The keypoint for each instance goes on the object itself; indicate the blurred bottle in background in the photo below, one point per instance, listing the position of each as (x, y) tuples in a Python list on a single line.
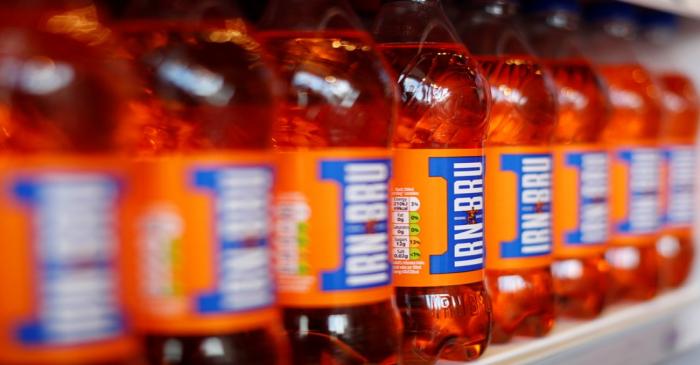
[(518, 172), (62, 187), (201, 282), (679, 100), (632, 136), (580, 211), (332, 218), (437, 193)]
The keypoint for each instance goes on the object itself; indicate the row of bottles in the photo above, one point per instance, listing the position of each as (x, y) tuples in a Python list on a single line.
[(433, 188)]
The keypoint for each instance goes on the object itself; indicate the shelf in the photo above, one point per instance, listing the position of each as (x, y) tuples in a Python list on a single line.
[(688, 8), (637, 333)]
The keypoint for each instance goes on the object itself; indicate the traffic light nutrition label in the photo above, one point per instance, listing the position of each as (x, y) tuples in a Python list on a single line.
[(406, 244)]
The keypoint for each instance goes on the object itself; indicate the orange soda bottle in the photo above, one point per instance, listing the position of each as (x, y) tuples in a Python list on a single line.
[(62, 187), (580, 207), (201, 280), (438, 183), (518, 171), (332, 218), (632, 136), (675, 248), (679, 100)]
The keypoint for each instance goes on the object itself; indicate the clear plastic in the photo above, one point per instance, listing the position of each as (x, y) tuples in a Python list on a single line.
[(524, 113), (420, 45)]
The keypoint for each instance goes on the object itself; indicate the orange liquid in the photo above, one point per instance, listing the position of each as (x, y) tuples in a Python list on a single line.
[(523, 113), (680, 127), (177, 112), (59, 96), (337, 94), (582, 116), (427, 119), (336, 90), (634, 117)]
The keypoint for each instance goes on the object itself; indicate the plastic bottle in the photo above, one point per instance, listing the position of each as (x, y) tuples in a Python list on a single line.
[(518, 171), (580, 208), (679, 100), (62, 187), (332, 218), (632, 136), (202, 287), (437, 193), (675, 248)]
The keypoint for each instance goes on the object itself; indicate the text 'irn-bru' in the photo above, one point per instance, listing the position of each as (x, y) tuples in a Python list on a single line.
[(64, 301), (523, 175), (455, 188), (331, 203), (518, 186), (341, 196), (199, 224), (438, 185)]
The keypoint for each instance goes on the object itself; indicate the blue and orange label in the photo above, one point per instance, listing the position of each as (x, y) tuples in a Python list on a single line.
[(635, 194), (679, 186), (580, 210), (332, 227), (199, 243), (518, 207), (437, 201), (62, 290)]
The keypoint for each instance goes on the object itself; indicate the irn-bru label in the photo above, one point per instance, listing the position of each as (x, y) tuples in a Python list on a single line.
[(580, 211), (200, 243), (61, 251), (331, 227), (437, 217), (679, 185), (635, 194), (518, 207)]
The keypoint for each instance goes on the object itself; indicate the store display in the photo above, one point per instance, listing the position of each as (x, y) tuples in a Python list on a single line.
[(185, 184)]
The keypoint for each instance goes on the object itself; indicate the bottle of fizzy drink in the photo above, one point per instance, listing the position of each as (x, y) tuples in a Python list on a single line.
[(675, 248), (437, 206), (679, 100), (580, 200), (518, 170), (62, 187), (201, 281), (632, 136), (332, 216)]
